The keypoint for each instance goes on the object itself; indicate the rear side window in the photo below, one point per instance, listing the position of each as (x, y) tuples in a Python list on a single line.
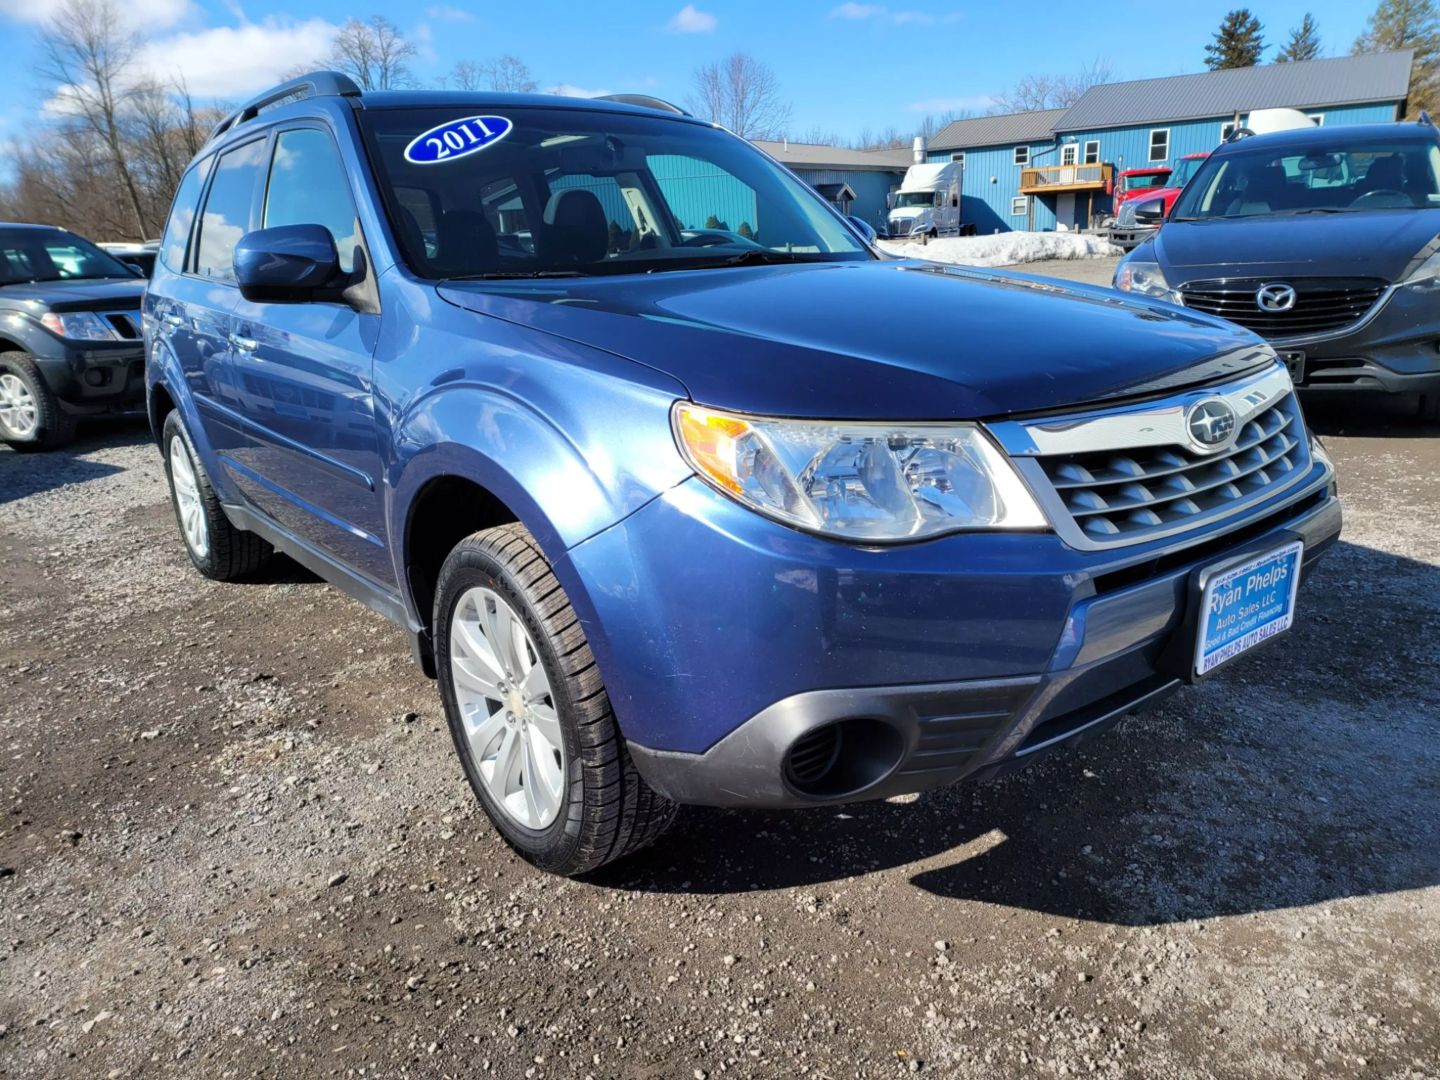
[(308, 186), (182, 217), (227, 209)]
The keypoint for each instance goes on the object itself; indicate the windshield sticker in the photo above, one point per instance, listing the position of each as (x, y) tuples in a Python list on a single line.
[(456, 139)]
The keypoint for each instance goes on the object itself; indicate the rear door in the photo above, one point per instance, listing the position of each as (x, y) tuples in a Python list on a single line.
[(301, 375)]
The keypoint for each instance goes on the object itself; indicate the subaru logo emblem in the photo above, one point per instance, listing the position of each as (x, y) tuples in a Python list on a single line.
[(1211, 424), (1275, 297)]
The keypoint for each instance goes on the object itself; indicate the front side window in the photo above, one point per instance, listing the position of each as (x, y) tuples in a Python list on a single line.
[(182, 216), (1360, 174), (308, 186), (576, 192), (1160, 144), (227, 209), (53, 255)]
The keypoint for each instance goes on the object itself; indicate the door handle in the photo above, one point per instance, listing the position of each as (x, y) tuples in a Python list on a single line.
[(172, 320), (244, 344)]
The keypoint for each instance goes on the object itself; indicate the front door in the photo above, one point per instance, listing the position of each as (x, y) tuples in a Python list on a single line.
[(1065, 211), (301, 377)]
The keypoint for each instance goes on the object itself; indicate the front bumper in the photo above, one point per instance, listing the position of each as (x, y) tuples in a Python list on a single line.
[(98, 379), (1132, 236), (1394, 349), (724, 639)]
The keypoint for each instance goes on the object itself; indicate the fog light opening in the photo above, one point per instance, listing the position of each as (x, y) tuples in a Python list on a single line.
[(842, 757)]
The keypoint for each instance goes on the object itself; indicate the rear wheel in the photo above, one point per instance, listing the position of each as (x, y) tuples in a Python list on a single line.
[(529, 715), (217, 548), (30, 414)]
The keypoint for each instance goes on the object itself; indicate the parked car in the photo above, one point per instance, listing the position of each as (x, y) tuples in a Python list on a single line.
[(1323, 241), (140, 256), (780, 524), (1129, 230), (69, 335)]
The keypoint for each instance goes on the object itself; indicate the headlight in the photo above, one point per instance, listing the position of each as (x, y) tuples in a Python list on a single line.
[(1427, 274), (80, 325), (1144, 278), (871, 482)]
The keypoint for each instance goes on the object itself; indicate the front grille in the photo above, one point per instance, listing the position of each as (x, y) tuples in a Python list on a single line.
[(1124, 496), (1322, 305), (126, 323)]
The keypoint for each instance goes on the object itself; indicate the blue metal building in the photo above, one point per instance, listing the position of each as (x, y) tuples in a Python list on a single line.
[(1054, 168), (856, 182)]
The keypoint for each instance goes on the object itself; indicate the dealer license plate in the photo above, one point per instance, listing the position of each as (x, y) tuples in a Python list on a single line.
[(1246, 605)]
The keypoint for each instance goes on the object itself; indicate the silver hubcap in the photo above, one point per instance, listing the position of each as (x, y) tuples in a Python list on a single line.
[(508, 709), (187, 499), (17, 405)]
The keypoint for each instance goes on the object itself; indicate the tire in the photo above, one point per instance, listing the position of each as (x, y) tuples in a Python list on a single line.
[(218, 549), (600, 809), (31, 417)]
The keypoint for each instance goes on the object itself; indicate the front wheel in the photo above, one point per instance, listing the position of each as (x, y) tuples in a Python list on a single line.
[(31, 417), (529, 715)]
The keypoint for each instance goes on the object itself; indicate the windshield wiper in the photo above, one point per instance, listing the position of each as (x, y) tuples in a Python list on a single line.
[(750, 257), (512, 275)]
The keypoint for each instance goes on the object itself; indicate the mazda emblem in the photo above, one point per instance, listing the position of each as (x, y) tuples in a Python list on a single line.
[(1275, 297), (1211, 424)]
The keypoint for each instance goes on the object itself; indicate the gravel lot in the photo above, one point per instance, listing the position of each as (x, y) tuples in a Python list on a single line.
[(237, 844)]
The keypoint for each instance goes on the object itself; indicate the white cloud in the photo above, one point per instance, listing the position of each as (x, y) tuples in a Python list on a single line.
[(446, 13), (150, 14), (952, 104), (857, 11), (571, 90), (690, 20), (227, 61)]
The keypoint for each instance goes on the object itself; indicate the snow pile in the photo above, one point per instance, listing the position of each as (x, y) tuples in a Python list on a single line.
[(1005, 249)]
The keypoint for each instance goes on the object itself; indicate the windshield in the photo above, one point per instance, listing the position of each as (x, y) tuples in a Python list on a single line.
[(1154, 180), (567, 192), (1187, 168), (53, 255), (915, 198), (1368, 174)]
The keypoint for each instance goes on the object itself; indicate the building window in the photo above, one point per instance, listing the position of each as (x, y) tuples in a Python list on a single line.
[(1226, 130), (1092, 152), (1069, 154), (1022, 155), (960, 157), (1317, 118), (1159, 144), (1018, 205)]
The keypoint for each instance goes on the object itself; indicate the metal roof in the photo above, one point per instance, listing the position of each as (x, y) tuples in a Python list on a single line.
[(815, 156), (1009, 129), (1341, 80)]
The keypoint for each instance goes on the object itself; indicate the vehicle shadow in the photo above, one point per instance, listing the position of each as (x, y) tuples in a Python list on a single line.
[(1307, 773), (1367, 416), (32, 473)]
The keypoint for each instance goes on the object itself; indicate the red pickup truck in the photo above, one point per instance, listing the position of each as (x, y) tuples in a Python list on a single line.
[(1125, 231)]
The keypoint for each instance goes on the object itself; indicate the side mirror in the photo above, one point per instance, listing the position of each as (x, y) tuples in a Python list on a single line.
[(1150, 212), (289, 264), (863, 227), (136, 269)]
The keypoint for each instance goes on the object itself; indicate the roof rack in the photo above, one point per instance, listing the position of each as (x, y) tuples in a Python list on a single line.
[(1238, 134), (644, 101), (1424, 118), (315, 84)]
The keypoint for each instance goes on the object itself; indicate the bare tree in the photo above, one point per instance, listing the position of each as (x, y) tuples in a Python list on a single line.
[(503, 74), (374, 53), (88, 65), (740, 93), (1036, 92)]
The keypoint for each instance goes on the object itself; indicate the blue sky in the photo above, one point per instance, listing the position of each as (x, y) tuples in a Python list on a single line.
[(844, 66)]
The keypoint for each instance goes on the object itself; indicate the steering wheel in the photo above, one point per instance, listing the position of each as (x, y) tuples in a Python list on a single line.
[(1405, 199), (706, 239)]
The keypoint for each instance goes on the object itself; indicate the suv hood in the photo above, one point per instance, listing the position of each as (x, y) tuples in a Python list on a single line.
[(880, 340), (100, 294), (1378, 243)]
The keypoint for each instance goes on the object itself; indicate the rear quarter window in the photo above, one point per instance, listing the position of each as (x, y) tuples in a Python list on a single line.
[(176, 239)]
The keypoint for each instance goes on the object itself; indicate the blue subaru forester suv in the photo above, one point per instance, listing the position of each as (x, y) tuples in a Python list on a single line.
[(684, 492)]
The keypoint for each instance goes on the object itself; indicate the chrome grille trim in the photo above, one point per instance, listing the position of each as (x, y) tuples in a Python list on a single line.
[(1324, 307), (1108, 479)]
